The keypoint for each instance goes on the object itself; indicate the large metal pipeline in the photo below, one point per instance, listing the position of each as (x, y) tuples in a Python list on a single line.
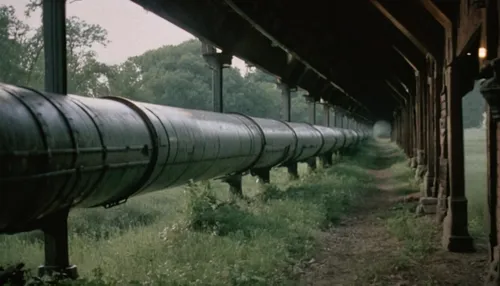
[(58, 152)]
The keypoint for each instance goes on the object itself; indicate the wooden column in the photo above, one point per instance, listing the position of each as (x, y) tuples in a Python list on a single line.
[(421, 124), (412, 129), (405, 135), (491, 92), (431, 119), (493, 153), (394, 127), (456, 237), (397, 123), (437, 127), (418, 114), (400, 128), (406, 130)]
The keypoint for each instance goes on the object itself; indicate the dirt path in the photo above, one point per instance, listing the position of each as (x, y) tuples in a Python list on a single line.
[(353, 253)]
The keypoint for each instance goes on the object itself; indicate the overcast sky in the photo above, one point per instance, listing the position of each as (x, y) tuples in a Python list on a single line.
[(131, 30)]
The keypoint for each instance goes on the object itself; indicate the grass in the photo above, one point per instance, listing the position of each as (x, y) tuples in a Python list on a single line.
[(416, 235), (419, 236), (475, 187), (199, 235), (476, 181)]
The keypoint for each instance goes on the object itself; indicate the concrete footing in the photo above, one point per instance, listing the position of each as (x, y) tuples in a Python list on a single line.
[(456, 237), (420, 172), (427, 205), (442, 205), (427, 186), (493, 275), (412, 163)]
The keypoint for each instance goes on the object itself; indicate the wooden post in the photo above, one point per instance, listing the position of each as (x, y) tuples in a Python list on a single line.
[(437, 127), (490, 40), (431, 118), (456, 237)]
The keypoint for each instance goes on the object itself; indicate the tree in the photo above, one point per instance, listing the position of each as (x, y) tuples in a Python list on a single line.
[(24, 60), (179, 76), (13, 38), (171, 75)]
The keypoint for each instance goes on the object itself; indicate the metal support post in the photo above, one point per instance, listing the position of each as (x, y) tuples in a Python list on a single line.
[(54, 37), (263, 175), (286, 108), (235, 184), (333, 119), (55, 226), (217, 62), (326, 159), (55, 231), (311, 104)]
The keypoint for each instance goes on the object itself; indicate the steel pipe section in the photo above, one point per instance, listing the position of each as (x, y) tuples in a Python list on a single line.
[(309, 141), (59, 152)]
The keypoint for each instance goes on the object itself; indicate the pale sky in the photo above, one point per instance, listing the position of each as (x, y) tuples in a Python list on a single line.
[(131, 29)]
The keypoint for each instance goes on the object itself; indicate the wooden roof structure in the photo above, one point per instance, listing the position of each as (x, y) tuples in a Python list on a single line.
[(360, 55)]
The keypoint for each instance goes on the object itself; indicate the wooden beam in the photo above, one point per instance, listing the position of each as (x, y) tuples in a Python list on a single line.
[(408, 61), (396, 91), (400, 27), (257, 27), (437, 14)]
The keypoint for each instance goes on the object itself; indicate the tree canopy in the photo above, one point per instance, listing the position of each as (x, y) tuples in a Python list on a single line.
[(170, 75)]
